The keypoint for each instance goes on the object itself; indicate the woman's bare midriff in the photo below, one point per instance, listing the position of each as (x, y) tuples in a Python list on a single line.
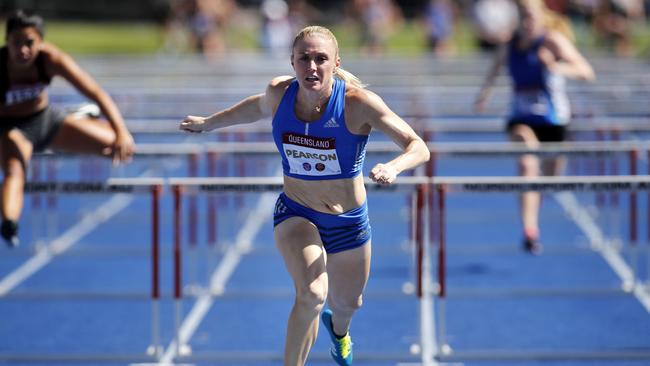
[(24, 109), (334, 196)]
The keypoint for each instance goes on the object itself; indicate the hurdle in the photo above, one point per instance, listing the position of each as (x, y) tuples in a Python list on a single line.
[(446, 185), (152, 186), (206, 185)]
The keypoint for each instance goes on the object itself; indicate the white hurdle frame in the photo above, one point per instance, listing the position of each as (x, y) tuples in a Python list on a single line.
[(443, 185), (131, 186)]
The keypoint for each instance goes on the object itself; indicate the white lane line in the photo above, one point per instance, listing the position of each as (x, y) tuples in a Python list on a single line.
[(69, 238), (227, 266), (584, 221), (64, 242)]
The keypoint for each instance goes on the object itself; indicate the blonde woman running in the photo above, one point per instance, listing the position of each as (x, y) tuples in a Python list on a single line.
[(321, 120)]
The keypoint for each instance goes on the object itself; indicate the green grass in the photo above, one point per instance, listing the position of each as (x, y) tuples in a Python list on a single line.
[(408, 38), (641, 38), (105, 38), (147, 38)]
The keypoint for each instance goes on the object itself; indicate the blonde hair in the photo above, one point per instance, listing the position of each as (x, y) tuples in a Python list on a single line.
[(551, 19), (342, 74)]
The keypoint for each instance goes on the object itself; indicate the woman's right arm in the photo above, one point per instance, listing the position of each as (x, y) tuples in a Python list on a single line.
[(493, 72), (249, 110)]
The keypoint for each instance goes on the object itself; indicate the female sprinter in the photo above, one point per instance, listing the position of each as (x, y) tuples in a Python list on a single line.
[(539, 57), (28, 123), (321, 120)]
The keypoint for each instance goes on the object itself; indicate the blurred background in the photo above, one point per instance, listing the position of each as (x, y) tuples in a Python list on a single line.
[(404, 27), (163, 59)]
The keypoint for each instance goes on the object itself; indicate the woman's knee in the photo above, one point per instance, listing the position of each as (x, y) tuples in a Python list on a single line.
[(14, 167), (525, 134), (347, 305), (529, 166), (312, 295), (15, 152)]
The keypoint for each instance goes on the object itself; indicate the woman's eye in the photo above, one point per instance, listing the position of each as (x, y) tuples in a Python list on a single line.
[(21, 43)]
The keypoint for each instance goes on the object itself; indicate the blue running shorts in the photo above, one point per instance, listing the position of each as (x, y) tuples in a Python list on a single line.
[(346, 231)]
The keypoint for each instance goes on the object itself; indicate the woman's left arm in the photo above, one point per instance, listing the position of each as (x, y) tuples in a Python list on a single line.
[(64, 65), (373, 111), (562, 57)]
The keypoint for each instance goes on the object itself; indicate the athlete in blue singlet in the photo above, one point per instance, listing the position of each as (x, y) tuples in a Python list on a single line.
[(28, 123), (539, 58), (321, 121), (321, 150)]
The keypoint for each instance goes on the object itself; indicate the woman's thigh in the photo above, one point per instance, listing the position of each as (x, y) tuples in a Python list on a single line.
[(348, 273), (84, 135), (300, 245)]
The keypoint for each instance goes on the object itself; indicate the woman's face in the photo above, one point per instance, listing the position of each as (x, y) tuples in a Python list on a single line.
[(314, 59), (23, 45), (530, 15)]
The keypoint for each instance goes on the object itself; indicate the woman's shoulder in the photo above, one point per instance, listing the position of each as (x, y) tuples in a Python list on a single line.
[(281, 82), (276, 88), (357, 97), (278, 85), (53, 56), (51, 51)]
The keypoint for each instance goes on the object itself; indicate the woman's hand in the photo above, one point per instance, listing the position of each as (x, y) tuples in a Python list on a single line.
[(480, 102), (123, 148), (194, 124), (383, 174)]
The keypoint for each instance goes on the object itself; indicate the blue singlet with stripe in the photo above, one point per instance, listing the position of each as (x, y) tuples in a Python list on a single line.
[(322, 149)]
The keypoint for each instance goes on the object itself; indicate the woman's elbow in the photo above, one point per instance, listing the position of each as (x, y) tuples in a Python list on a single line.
[(424, 152)]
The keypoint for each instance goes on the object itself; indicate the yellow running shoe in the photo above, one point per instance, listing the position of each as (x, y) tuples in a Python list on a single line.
[(341, 350)]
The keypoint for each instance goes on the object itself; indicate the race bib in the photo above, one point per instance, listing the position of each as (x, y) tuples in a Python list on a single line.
[(309, 155), (19, 94), (535, 103)]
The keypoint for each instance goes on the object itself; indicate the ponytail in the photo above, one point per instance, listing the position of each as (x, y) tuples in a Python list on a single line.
[(348, 77), (558, 22)]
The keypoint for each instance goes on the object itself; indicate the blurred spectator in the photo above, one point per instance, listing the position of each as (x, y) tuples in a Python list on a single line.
[(439, 25), (199, 23), (377, 19), (281, 21), (613, 20), (558, 6), (301, 14), (208, 23), (277, 31), (493, 22), (176, 25)]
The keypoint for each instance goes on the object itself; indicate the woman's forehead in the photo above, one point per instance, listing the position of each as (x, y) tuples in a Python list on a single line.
[(24, 32), (315, 42)]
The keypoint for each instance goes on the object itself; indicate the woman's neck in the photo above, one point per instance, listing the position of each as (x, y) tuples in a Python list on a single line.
[(314, 101)]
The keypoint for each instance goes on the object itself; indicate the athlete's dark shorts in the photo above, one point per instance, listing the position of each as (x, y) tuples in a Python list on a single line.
[(544, 132), (39, 128), (346, 231)]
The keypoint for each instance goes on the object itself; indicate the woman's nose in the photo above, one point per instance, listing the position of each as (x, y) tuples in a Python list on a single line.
[(25, 50)]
